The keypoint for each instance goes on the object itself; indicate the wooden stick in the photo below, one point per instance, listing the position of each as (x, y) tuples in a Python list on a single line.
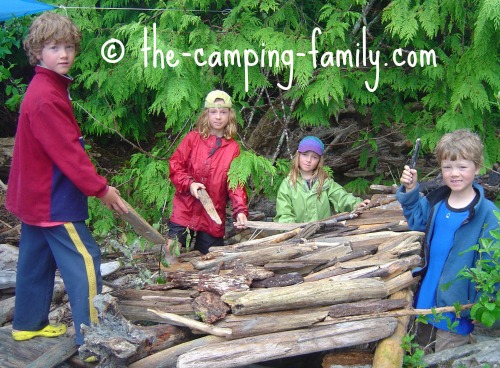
[(397, 313), (187, 322), (208, 205), (141, 226)]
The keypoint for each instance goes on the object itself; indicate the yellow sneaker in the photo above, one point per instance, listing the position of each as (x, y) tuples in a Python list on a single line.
[(48, 331), (91, 359)]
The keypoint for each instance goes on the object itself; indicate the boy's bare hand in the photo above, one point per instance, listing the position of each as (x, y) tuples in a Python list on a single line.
[(409, 178), (113, 201)]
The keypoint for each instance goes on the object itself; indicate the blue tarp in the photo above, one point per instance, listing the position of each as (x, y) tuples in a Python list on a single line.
[(19, 8)]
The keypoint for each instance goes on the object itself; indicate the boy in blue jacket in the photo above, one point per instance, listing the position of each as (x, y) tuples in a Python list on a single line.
[(454, 218)]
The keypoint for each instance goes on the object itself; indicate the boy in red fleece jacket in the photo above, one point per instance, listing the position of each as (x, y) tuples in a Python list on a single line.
[(50, 179)]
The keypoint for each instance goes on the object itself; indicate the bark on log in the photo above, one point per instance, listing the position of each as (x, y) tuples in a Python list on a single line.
[(286, 279), (209, 307), (312, 294), (219, 284), (260, 348), (366, 307)]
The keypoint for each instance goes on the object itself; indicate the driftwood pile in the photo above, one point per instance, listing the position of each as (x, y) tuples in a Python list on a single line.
[(308, 288)]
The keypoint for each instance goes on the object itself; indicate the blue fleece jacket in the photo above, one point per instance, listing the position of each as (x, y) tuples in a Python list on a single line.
[(420, 212)]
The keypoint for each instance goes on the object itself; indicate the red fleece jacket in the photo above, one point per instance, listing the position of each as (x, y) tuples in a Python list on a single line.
[(51, 174)]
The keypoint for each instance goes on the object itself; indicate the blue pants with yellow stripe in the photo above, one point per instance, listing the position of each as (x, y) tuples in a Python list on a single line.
[(70, 248)]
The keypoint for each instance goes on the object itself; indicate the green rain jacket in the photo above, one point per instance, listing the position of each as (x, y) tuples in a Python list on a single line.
[(302, 204)]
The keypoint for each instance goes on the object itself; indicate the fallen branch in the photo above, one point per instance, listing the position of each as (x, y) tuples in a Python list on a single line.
[(187, 322), (397, 313)]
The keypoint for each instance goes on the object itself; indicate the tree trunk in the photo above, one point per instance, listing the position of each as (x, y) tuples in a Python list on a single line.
[(307, 295)]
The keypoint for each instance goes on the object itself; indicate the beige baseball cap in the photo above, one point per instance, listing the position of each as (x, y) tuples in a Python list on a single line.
[(218, 95)]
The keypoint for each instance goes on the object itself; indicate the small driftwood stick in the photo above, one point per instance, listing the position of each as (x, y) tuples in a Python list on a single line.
[(208, 205), (187, 322), (397, 313), (141, 226)]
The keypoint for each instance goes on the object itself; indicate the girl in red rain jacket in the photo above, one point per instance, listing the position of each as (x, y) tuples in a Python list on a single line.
[(202, 161)]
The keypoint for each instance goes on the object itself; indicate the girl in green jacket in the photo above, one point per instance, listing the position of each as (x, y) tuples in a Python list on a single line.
[(309, 193)]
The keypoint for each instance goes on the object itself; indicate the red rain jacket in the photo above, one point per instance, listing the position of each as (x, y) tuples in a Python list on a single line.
[(192, 162)]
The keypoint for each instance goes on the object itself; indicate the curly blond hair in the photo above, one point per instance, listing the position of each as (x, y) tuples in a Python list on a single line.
[(49, 27), (461, 144)]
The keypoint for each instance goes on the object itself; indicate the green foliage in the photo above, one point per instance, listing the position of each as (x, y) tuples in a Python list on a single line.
[(142, 94), (358, 186), (10, 49), (486, 276), (255, 171), (413, 354)]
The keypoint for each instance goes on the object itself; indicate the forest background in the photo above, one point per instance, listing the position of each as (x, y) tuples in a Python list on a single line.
[(418, 68)]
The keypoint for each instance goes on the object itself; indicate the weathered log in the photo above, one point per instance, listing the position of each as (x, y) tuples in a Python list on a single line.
[(395, 313), (384, 188), (137, 310), (56, 355), (172, 296), (286, 279), (386, 226), (258, 243), (311, 294), (248, 350), (400, 241), (366, 307), (400, 282), (7, 310), (168, 358), (190, 323), (266, 323), (219, 284), (7, 279), (389, 353), (302, 266), (251, 272), (257, 257), (277, 226)]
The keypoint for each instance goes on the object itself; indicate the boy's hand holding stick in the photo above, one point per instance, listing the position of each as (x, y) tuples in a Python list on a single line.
[(409, 176)]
